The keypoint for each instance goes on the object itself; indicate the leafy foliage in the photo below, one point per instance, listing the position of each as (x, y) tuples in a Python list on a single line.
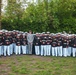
[(46, 15)]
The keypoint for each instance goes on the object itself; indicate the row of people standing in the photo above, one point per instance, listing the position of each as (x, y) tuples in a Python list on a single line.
[(12, 42), (55, 44), (45, 44)]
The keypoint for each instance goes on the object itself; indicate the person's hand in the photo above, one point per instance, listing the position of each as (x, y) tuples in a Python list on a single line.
[(30, 42)]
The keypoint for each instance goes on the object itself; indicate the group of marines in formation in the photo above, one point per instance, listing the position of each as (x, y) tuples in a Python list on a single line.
[(45, 44)]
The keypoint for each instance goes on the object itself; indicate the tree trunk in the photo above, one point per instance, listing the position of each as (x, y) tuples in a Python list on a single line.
[(0, 12)]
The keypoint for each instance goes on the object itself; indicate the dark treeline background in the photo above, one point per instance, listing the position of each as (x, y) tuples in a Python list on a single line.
[(45, 15)]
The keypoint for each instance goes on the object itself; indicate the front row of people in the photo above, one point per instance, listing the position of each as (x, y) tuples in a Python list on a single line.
[(43, 50)]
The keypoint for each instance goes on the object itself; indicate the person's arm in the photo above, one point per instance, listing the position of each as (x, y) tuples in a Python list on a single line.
[(33, 38), (27, 38)]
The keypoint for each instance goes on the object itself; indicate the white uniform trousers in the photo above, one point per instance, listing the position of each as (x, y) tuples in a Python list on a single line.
[(24, 49), (0, 50), (69, 51), (54, 51), (37, 50), (14, 47), (18, 50), (11, 48), (65, 52), (43, 50), (74, 52), (59, 50), (48, 50), (7, 50)]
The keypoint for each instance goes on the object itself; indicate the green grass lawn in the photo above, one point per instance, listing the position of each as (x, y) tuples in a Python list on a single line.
[(37, 65)]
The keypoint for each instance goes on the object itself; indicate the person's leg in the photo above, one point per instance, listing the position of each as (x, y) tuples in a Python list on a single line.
[(48, 50), (74, 51), (45, 50), (60, 50), (19, 50), (5, 50), (25, 50), (36, 50), (53, 53), (0, 50), (65, 52), (22, 49), (14, 47), (16, 50), (11, 48), (41, 50), (69, 51), (8, 50), (56, 51), (29, 48)]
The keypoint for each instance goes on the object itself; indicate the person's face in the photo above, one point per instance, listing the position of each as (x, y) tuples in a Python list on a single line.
[(30, 32)]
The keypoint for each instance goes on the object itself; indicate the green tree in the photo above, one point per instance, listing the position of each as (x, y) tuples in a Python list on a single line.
[(37, 16), (66, 15), (45, 15), (13, 16), (0, 12)]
